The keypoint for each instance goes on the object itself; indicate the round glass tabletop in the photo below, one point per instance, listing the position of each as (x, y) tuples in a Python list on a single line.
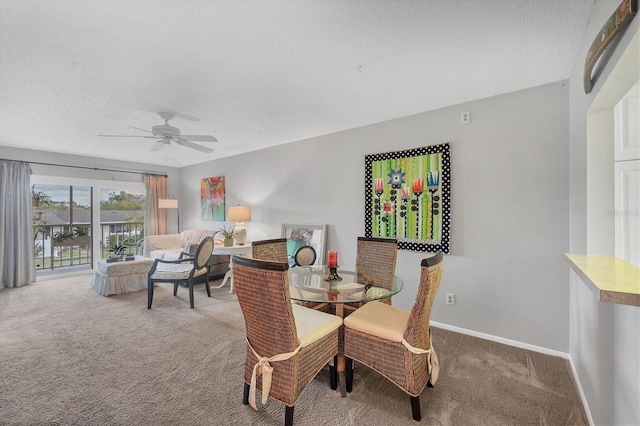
[(312, 284)]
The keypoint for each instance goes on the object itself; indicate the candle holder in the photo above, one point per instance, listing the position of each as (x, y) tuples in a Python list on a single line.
[(333, 274)]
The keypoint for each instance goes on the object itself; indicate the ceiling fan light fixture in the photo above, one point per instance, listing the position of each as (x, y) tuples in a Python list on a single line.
[(166, 134), (165, 131)]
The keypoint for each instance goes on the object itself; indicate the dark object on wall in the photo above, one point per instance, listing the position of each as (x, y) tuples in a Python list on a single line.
[(614, 26)]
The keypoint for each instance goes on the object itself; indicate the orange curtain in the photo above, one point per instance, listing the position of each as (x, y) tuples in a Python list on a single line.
[(155, 219)]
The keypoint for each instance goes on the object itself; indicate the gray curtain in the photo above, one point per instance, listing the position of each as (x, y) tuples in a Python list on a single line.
[(17, 259), (155, 219)]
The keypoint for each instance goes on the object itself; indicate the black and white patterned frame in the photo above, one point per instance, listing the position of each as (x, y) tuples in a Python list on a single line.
[(422, 245)]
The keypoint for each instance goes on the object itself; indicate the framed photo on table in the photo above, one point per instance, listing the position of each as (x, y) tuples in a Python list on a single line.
[(305, 234)]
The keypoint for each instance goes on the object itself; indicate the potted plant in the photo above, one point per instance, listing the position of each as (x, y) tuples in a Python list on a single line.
[(229, 234), (78, 236), (39, 197)]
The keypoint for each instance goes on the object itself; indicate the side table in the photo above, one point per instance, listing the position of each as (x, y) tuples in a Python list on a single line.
[(234, 250), (121, 276)]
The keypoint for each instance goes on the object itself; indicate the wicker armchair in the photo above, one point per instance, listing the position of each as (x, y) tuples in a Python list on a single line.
[(397, 343), (298, 342), (274, 250), (186, 270)]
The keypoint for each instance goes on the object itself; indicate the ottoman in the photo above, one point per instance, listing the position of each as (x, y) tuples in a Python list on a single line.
[(121, 276)]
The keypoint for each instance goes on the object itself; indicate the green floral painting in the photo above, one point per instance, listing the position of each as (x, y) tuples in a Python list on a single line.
[(408, 197)]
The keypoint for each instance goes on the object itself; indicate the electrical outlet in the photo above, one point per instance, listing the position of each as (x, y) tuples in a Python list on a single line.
[(451, 299), (465, 117)]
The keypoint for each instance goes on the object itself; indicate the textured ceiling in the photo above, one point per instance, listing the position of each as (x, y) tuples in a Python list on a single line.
[(261, 73)]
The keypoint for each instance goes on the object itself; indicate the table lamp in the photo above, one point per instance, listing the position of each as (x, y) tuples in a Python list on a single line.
[(240, 214)]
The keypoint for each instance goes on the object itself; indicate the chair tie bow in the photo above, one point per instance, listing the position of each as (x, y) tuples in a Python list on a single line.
[(264, 369), (433, 366)]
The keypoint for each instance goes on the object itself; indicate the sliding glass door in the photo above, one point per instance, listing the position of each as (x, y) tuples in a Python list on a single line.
[(121, 218), (62, 225), (76, 222)]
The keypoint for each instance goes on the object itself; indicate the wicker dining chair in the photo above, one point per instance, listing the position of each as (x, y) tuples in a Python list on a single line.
[(274, 250), (186, 270), (376, 262), (397, 343), (295, 341)]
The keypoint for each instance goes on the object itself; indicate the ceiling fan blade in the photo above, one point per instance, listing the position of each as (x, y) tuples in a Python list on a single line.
[(194, 146), (138, 128), (127, 136), (199, 138), (158, 146)]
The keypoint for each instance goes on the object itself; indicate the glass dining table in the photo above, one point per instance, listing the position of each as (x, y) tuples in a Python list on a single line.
[(312, 285)]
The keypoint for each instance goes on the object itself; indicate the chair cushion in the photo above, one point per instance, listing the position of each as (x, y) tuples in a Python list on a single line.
[(175, 271), (313, 325), (379, 319)]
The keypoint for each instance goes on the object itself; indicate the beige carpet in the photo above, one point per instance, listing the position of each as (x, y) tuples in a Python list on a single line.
[(71, 356)]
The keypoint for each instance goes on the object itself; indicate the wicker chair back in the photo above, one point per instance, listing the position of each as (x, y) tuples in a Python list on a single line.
[(417, 332), (412, 367), (274, 250), (263, 293), (376, 261), (305, 256), (203, 253)]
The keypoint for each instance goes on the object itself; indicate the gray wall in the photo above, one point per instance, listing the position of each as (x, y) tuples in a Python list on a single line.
[(510, 209), (88, 162), (605, 342), (18, 154)]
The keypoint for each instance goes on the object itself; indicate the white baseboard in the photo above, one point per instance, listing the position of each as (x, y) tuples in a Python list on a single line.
[(581, 392), (493, 338), (64, 275)]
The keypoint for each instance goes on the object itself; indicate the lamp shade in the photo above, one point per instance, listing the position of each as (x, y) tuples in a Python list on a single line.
[(239, 214), (167, 203)]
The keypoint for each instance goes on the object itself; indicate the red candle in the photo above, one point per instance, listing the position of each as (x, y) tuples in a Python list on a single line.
[(333, 259)]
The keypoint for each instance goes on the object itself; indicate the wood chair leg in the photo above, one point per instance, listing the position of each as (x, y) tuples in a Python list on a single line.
[(245, 397), (415, 408), (333, 375), (349, 375), (207, 286), (288, 416), (149, 293), (191, 294)]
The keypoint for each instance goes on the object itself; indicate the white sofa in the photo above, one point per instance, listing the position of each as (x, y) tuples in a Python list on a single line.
[(169, 247)]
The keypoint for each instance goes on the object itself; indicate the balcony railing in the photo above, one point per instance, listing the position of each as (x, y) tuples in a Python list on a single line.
[(53, 252)]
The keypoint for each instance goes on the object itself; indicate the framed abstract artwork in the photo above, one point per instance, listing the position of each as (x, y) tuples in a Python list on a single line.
[(212, 201), (305, 234), (408, 197)]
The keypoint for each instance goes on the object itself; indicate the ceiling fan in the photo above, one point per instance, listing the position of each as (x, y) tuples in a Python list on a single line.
[(165, 134)]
